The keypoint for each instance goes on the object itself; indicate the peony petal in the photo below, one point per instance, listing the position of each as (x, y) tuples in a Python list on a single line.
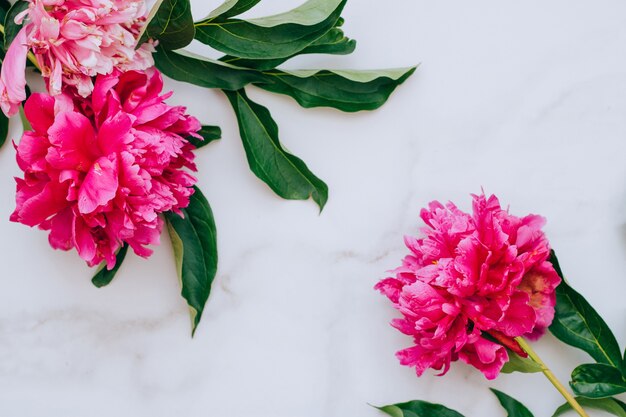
[(73, 140), (114, 133), (12, 75), (39, 110), (99, 187)]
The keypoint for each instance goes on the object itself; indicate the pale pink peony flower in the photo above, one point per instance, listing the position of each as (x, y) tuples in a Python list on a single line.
[(471, 275), (99, 171), (73, 41)]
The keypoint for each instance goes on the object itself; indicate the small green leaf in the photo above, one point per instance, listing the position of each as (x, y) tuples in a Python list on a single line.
[(25, 123), (11, 28), (419, 409), (171, 23), (208, 133), (610, 405), (231, 8), (518, 364), (349, 91), (286, 174), (204, 72), (271, 37), (4, 128), (597, 380), (577, 324), (104, 276), (513, 407), (5, 6), (194, 241), (333, 42)]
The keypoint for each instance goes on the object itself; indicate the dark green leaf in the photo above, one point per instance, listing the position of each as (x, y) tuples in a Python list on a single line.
[(271, 37), (578, 324), (10, 27), (231, 8), (518, 364), (349, 91), (5, 5), (597, 380), (4, 128), (344, 90), (171, 23), (610, 405), (286, 174), (208, 133), (419, 409), (3, 16), (194, 241), (104, 276), (333, 42), (204, 72), (513, 407)]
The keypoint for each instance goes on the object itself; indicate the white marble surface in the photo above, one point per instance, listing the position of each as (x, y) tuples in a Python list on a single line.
[(526, 99)]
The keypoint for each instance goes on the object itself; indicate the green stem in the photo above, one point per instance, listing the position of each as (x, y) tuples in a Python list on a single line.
[(31, 57), (551, 377)]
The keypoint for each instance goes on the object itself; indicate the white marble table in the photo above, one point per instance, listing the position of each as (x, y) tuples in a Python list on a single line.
[(526, 99)]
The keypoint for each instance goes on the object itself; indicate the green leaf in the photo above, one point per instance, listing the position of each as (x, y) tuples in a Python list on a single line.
[(208, 133), (333, 42), (194, 241), (104, 276), (513, 407), (5, 6), (577, 324), (419, 409), (4, 128), (204, 72), (271, 37), (344, 90), (10, 27), (597, 380), (518, 364), (610, 405), (349, 91), (171, 23), (286, 174), (25, 123), (231, 8)]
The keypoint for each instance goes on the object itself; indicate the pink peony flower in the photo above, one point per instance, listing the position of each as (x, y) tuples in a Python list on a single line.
[(73, 41), (98, 171), (472, 275)]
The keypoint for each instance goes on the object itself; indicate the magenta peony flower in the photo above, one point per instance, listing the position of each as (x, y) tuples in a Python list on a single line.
[(471, 276), (98, 171), (73, 41)]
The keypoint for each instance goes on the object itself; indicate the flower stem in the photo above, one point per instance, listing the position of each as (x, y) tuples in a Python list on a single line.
[(551, 377), (31, 57)]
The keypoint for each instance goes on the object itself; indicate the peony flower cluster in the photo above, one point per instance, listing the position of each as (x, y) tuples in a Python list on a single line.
[(98, 171), (472, 280), (73, 41)]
